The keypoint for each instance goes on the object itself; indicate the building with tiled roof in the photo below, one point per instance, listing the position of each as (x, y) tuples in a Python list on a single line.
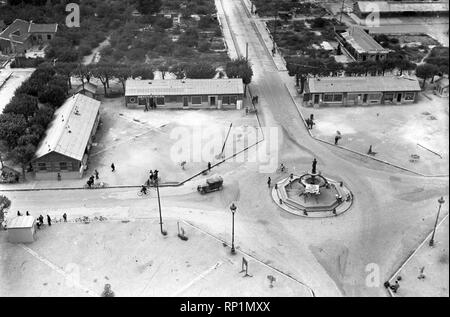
[(359, 44), (68, 139), (185, 93), (21, 35), (405, 8), (359, 91)]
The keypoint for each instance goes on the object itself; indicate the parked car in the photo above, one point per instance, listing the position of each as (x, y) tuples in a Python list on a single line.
[(212, 184)]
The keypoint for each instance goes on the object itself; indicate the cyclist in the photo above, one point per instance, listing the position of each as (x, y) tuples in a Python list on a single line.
[(144, 190)]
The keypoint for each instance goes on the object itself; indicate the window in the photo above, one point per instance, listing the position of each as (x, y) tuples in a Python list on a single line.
[(389, 97), (196, 100), (226, 100), (42, 166), (409, 96), (233, 100), (332, 98), (142, 101), (63, 166), (204, 98), (132, 100), (172, 99), (352, 97), (374, 98), (160, 101), (49, 37)]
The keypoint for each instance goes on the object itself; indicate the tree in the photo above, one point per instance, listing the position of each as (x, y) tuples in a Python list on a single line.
[(426, 71), (25, 105), (122, 73), (12, 126), (144, 72), (240, 68), (355, 68), (179, 70), (301, 67), (23, 154), (200, 70), (103, 72), (163, 68), (67, 70), (148, 6), (53, 94), (5, 203)]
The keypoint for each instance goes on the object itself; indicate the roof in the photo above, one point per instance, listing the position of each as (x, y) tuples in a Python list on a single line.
[(182, 87), (442, 82), (68, 134), (362, 84), (16, 31), (21, 222), (388, 6), (361, 41), (20, 30), (43, 28), (87, 87)]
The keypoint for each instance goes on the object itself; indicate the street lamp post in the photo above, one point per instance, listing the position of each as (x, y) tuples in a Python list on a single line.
[(440, 201), (233, 210), (159, 207)]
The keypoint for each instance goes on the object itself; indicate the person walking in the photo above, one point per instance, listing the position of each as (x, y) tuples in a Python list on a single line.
[(269, 181), (370, 150), (49, 220), (113, 167), (151, 175), (336, 139), (155, 175), (209, 166), (96, 174), (18, 213), (65, 217), (27, 213), (41, 219)]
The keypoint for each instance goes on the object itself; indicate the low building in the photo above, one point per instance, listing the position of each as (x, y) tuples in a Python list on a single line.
[(441, 87), (185, 93), (359, 44), (21, 35), (21, 229), (87, 89), (63, 153), (403, 8), (360, 91)]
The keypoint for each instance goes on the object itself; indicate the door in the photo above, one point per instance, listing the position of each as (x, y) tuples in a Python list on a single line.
[(212, 100), (185, 102), (316, 99), (365, 98), (399, 97)]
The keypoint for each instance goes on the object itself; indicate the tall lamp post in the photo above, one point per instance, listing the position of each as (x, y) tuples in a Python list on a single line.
[(233, 210), (440, 201), (159, 207)]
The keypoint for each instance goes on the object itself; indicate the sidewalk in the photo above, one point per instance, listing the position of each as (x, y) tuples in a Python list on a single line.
[(433, 261)]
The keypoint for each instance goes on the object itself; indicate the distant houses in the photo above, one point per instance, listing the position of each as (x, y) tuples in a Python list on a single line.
[(441, 87), (185, 93), (21, 35), (359, 44), (403, 8), (68, 140), (361, 91)]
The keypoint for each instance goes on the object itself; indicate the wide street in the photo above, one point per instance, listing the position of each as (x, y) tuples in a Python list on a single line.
[(393, 210)]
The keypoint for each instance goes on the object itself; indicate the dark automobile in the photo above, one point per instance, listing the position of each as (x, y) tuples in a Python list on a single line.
[(212, 184)]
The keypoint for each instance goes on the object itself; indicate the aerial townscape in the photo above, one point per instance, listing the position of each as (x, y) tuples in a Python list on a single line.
[(224, 148)]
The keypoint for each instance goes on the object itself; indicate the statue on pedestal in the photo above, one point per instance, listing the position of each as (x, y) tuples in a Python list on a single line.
[(314, 166)]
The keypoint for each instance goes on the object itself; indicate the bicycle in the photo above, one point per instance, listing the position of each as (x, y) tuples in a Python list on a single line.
[(141, 193)]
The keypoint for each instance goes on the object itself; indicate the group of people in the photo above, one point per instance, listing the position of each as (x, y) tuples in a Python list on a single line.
[(40, 219), (9, 177), (310, 122), (153, 177), (92, 178)]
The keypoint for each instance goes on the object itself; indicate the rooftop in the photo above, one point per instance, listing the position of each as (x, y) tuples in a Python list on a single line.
[(362, 84), (68, 134), (361, 41), (389, 6), (182, 87), (20, 30), (87, 87), (21, 222)]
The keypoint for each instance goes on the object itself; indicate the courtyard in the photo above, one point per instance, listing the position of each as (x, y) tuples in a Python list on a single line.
[(395, 132), (85, 257)]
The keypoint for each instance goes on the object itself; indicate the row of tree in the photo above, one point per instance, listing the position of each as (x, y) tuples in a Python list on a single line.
[(25, 118), (302, 67)]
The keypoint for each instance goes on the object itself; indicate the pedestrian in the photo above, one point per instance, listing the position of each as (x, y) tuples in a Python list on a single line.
[(336, 139), (27, 213), (151, 175), (209, 166), (370, 150), (155, 175), (41, 219), (96, 174), (276, 186), (113, 167), (269, 180), (59, 176), (18, 213), (49, 220), (65, 217)]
